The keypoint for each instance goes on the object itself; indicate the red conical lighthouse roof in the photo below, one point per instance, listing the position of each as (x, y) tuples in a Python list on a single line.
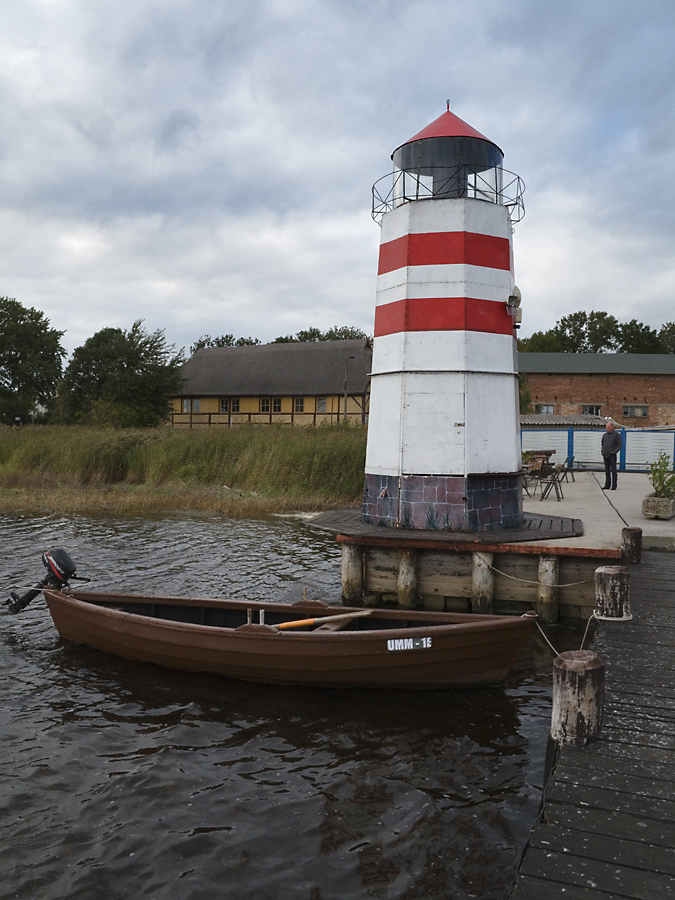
[(448, 125)]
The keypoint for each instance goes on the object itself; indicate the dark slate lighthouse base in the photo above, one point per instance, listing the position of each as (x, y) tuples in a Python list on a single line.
[(444, 502)]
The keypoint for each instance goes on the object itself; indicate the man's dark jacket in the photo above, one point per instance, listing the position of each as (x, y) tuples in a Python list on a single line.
[(611, 443)]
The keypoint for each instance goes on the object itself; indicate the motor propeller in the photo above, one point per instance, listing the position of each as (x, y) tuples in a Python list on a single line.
[(60, 570)]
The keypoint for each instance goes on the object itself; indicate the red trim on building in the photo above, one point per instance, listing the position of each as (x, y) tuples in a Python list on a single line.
[(445, 248), (442, 314)]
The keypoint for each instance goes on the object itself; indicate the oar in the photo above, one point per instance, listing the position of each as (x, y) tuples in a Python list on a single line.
[(297, 623)]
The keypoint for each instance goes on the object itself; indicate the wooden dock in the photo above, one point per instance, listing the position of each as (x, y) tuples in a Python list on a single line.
[(607, 826)]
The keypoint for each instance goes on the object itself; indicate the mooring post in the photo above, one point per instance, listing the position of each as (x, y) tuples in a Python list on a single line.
[(578, 697), (482, 583), (631, 544), (547, 589), (352, 574), (612, 592), (407, 577)]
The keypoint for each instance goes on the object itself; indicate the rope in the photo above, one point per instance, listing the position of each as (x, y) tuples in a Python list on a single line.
[(588, 625), (527, 580), (541, 631)]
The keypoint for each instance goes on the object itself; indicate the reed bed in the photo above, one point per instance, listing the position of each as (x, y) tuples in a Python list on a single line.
[(246, 470)]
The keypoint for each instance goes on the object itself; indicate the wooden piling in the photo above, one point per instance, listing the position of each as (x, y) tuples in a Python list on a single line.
[(578, 697), (482, 583), (352, 574), (407, 577), (612, 592), (547, 589), (631, 545)]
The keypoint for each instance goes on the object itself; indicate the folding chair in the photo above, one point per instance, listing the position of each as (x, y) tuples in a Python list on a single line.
[(533, 477), (553, 482), (569, 468)]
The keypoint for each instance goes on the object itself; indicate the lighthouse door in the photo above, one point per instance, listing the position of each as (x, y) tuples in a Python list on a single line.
[(433, 430)]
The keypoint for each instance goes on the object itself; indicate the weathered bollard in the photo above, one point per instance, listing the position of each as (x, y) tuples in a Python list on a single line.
[(631, 544), (352, 574), (407, 577), (612, 593), (482, 583), (547, 589), (578, 697)]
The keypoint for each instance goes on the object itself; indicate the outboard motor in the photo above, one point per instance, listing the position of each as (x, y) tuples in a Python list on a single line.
[(60, 569)]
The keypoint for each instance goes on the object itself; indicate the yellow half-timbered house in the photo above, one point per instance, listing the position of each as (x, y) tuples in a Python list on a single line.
[(295, 384)]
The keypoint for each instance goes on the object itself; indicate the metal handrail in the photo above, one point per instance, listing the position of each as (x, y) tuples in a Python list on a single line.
[(407, 185)]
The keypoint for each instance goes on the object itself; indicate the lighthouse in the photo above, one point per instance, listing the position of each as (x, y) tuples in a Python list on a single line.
[(443, 436)]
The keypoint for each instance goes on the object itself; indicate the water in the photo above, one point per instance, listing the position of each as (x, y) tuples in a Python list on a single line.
[(122, 780)]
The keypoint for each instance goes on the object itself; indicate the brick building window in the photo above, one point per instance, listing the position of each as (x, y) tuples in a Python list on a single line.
[(276, 404), (264, 404), (636, 412), (591, 409), (299, 404), (543, 409)]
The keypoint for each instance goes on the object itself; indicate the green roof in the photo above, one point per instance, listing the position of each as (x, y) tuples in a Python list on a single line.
[(598, 363)]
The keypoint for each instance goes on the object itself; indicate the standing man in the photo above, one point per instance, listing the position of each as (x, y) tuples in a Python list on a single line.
[(611, 444)]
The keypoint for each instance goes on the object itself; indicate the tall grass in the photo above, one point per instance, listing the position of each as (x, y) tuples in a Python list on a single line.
[(324, 463)]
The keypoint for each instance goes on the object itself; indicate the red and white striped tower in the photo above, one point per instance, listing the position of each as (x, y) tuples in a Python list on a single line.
[(443, 435)]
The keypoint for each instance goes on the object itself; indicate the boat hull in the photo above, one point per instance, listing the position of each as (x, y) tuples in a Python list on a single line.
[(429, 650)]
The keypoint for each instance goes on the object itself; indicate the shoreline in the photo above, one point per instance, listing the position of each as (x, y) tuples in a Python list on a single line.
[(123, 499)]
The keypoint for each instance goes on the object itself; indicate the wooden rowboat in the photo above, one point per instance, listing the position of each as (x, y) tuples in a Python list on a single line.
[(278, 643)]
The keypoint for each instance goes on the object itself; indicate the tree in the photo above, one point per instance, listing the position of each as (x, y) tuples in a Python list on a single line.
[(224, 340), (667, 337), (580, 332), (336, 333), (122, 378), (634, 337), (31, 358)]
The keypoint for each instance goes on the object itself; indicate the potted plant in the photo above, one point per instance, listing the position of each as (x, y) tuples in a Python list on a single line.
[(661, 503)]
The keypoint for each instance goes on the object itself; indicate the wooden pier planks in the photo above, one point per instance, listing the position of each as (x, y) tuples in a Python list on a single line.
[(607, 827)]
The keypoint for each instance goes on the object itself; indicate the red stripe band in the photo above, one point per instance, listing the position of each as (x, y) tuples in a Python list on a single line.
[(445, 248), (442, 314)]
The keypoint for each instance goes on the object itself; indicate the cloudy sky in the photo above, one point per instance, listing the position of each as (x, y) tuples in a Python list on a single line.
[(206, 165)]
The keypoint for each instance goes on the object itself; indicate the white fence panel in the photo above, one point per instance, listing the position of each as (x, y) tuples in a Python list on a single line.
[(546, 440), (643, 447), (587, 448)]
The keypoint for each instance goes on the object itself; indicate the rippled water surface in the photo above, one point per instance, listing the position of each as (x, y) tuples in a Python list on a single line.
[(122, 780)]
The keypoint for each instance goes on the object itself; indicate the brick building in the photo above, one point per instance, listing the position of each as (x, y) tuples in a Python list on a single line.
[(635, 389)]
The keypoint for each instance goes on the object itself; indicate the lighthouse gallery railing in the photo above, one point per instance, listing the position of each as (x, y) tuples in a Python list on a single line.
[(434, 183)]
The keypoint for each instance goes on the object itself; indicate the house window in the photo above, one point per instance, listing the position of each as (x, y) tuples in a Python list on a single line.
[(225, 405), (276, 404), (636, 412), (299, 404), (591, 409), (264, 404), (187, 405), (195, 406), (321, 404), (543, 409), (235, 404)]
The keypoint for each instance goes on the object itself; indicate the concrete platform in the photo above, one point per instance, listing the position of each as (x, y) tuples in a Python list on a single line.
[(605, 513)]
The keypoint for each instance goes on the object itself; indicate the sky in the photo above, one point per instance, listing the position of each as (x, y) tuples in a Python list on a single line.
[(206, 165)]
